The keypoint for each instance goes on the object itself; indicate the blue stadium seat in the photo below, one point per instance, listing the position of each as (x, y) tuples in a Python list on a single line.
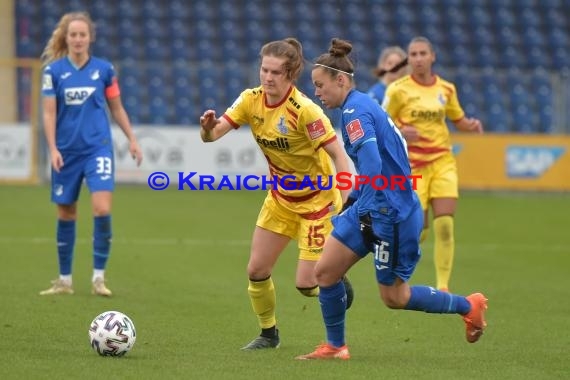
[(558, 38), (231, 30), (203, 10), (130, 28), (561, 59), (235, 78), (101, 11), (131, 48), (182, 49), (529, 17), (403, 15), (185, 111), (207, 50), (519, 95), (254, 11), (429, 15), (534, 37), (159, 110), (333, 13), (152, 9), (129, 10), (205, 30), (180, 28), (508, 37), (486, 56), (483, 36), (179, 10), (157, 49), (538, 57), (462, 55), (505, 16), (106, 48), (480, 16), (155, 28), (306, 10), (497, 119), (456, 14), (280, 11), (523, 120), (456, 35), (511, 57)]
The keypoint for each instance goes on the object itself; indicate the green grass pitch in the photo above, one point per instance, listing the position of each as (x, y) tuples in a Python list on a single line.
[(177, 268)]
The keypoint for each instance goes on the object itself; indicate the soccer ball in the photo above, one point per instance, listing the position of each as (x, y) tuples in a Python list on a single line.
[(112, 333)]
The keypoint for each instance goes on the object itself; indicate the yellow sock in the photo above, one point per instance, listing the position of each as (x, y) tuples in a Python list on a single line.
[(444, 248), (262, 296), (424, 235)]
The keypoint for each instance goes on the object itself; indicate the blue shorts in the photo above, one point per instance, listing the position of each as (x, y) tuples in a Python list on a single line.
[(398, 250), (97, 169)]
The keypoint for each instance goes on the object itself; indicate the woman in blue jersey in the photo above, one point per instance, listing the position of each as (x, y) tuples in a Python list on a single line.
[(386, 222), (392, 65), (76, 89)]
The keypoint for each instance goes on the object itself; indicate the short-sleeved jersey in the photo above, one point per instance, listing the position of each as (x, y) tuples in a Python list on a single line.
[(290, 135), (82, 123), (377, 91), (365, 122), (424, 107)]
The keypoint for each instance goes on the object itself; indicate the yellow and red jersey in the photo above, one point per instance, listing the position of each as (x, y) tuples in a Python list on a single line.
[(290, 135), (425, 108)]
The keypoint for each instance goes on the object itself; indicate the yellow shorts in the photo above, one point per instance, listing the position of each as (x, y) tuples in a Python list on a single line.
[(310, 232), (439, 180)]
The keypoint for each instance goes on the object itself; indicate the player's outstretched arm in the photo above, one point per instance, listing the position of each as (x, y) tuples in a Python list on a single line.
[(212, 128)]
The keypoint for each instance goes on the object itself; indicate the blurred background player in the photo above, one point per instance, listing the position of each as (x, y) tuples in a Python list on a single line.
[(297, 139), (392, 64), (419, 104), (76, 88), (385, 222)]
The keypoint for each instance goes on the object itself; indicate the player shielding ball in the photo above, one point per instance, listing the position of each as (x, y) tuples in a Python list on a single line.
[(385, 222)]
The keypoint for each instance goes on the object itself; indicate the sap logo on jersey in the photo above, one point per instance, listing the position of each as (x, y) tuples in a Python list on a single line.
[(531, 161), (77, 95)]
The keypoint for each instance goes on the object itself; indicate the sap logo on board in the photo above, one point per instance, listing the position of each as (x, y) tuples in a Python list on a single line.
[(78, 95), (531, 161)]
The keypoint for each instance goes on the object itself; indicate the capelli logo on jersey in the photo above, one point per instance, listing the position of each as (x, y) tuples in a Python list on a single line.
[(76, 96), (428, 115), (280, 143)]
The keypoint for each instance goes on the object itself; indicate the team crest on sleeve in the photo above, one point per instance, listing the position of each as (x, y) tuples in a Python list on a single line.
[(47, 83), (316, 129), (354, 130)]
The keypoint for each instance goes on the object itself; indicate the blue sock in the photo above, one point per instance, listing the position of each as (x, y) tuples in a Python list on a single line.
[(65, 245), (333, 307), (101, 241), (430, 300)]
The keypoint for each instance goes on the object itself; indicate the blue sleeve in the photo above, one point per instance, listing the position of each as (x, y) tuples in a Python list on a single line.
[(370, 165), (354, 194)]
